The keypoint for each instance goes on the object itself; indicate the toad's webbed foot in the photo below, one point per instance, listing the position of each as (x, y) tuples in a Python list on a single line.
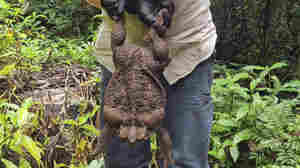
[(114, 115), (152, 119), (133, 133)]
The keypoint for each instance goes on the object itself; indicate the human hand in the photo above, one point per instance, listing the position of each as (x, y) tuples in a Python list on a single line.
[(114, 8), (169, 5), (160, 25), (153, 13)]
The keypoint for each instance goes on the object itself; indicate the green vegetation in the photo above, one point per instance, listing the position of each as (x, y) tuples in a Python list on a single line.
[(257, 106), (32, 135), (256, 118)]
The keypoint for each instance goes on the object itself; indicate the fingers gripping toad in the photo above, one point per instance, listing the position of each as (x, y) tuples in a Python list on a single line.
[(135, 98), (146, 10)]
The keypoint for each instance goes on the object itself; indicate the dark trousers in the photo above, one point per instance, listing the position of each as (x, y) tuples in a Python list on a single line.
[(189, 114)]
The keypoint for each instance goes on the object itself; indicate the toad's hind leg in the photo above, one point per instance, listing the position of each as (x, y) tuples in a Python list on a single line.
[(165, 144), (103, 139)]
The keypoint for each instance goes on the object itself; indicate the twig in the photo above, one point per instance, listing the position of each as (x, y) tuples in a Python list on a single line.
[(66, 92)]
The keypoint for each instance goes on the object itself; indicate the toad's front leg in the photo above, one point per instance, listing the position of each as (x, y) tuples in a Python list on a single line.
[(118, 34)]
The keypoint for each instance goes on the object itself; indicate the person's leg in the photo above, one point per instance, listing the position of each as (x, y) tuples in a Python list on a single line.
[(189, 117), (121, 154)]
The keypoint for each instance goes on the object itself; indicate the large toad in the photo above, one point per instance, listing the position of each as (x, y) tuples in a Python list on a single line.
[(135, 98)]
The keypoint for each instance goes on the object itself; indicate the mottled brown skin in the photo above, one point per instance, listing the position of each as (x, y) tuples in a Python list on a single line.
[(135, 98), (165, 144)]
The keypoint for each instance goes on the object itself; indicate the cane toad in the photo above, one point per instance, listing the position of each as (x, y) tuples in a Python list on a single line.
[(135, 98)]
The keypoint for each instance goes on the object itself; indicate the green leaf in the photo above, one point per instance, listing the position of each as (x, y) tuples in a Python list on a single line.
[(258, 104), (219, 154), (241, 91), (16, 143), (32, 147), (290, 90), (242, 111), (99, 16), (254, 83), (221, 82), (226, 123), (4, 5), (228, 142), (216, 141), (95, 109), (83, 119), (253, 67), (153, 140), (276, 84), (23, 116), (278, 66), (91, 129), (8, 164), (242, 136), (265, 89), (96, 164), (2, 118), (240, 76), (8, 69), (12, 115), (213, 153), (22, 35), (234, 152), (24, 163), (70, 122), (292, 84), (60, 165), (82, 144), (9, 105)]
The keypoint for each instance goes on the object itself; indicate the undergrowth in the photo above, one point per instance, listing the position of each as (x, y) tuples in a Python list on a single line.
[(257, 118), (30, 134), (27, 39)]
